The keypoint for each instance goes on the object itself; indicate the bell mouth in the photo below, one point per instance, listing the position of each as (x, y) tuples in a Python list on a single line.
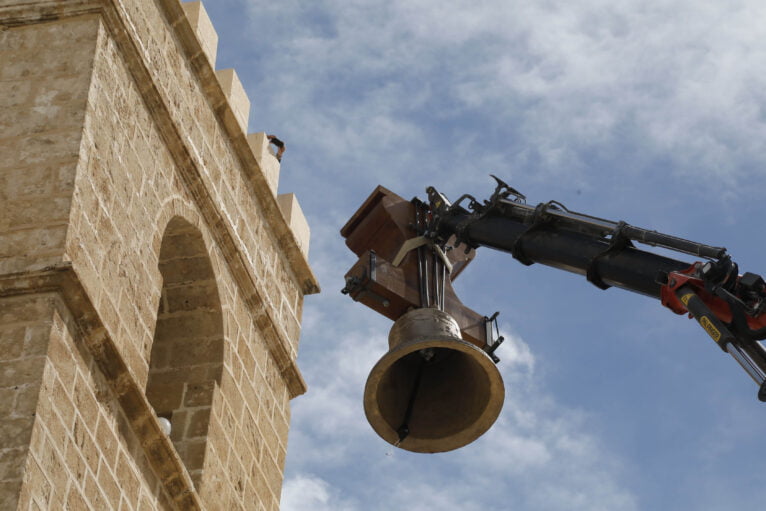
[(437, 392)]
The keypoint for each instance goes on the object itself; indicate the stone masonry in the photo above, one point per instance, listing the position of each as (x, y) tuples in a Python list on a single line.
[(147, 267)]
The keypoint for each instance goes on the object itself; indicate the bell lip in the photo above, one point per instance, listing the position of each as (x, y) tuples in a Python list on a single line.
[(448, 443)]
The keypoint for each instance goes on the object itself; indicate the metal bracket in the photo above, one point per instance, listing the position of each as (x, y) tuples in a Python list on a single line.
[(539, 219), (617, 243), (493, 342), (503, 190), (356, 287)]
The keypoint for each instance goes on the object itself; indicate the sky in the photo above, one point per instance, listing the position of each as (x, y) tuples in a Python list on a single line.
[(652, 112)]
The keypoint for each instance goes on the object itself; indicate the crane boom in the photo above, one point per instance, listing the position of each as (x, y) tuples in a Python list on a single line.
[(730, 307)]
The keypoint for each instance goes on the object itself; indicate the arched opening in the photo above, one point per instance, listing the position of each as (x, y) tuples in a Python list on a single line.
[(187, 353)]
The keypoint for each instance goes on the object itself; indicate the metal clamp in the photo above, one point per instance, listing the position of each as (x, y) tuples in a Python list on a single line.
[(357, 287), (494, 339), (538, 220), (617, 243)]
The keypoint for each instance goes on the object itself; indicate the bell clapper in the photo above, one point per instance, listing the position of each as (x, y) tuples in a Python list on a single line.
[(403, 431)]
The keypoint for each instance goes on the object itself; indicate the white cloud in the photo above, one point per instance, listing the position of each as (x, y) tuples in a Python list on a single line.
[(541, 85), (308, 493), (516, 353)]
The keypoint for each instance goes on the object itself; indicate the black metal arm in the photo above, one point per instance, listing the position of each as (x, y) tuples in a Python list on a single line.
[(604, 252)]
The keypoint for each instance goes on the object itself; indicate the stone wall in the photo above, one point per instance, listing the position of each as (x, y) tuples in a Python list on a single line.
[(146, 267)]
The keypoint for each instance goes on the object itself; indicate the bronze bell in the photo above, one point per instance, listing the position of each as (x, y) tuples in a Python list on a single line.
[(432, 391)]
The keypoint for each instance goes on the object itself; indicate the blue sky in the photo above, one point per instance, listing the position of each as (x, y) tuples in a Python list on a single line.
[(650, 112)]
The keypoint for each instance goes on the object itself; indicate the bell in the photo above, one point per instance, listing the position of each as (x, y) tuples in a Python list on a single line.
[(432, 391)]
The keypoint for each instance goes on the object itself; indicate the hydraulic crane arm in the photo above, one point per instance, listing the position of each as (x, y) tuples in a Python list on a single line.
[(549, 235), (730, 307), (601, 250)]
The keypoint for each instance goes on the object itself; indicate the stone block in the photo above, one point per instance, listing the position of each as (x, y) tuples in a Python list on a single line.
[(75, 499), (36, 480), (7, 397), (291, 210), (26, 400), (165, 398), (24, 309), (236, 95), (110, 486), (12, 464), (15, 432), (199, 394), (178, 425), (183, 244), (36, 339), (12, 341), (21, 371), (267, 161), (195, 453), (106, 439), (190, 270), (203, 28), (9, 494), (190, 297), (198, 423)]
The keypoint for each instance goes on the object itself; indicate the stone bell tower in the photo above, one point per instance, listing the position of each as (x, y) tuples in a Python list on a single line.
[(148, 270)]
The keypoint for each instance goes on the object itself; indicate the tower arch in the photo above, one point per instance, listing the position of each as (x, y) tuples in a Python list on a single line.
[(186, 358)]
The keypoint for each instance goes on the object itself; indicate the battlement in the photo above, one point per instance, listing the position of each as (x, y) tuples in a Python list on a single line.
[(203, 29)]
